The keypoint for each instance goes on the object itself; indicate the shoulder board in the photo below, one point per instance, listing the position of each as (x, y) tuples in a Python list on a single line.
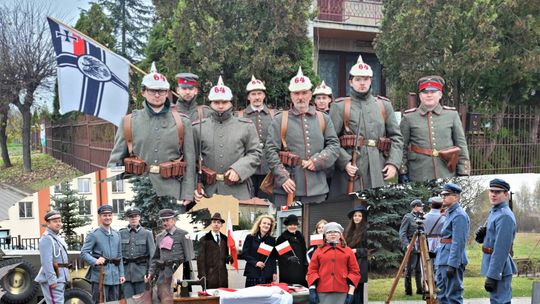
[(449, 108), (243, 119), (382, 98), (198, 121), (410, 110), (339, 99), (122, 229), (149, 230)]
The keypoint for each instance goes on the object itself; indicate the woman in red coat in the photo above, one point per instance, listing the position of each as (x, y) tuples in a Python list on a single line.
[(333, 272)]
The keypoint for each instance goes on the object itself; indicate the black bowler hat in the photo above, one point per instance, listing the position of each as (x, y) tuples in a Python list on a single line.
[(166, 214), (360, 208), (51, 215), (416, 203), (105, 209), (133, 211), (291, 220), (499, 184), (217, 217), (451, 188)]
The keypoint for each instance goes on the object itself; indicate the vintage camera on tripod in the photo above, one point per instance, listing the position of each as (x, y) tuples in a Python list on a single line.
[(419, 220)]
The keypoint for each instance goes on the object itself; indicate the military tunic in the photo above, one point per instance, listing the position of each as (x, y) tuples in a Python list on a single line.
[(498, 265), (155, 140), (366, 113), (438, 129), (453, 254), (137, 249), (191, 109), (406, 232), (228, 142), (181, 251), (304, 138), (52, 249)]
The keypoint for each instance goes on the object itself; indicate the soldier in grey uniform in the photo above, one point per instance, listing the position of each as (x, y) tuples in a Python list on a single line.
[(311, 136), (172, 248), (155, 140), (262, 117), (102, 250), (53, 274), (229, 146), (379, 143), (406, 232), (187, 90), (322, 97), (430, 130), (137, 249)]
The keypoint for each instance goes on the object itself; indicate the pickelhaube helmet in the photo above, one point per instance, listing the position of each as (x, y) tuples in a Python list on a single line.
[(155, 80), (360, 68), (255, 85), (322, 89), (300, 82), (220, 92)]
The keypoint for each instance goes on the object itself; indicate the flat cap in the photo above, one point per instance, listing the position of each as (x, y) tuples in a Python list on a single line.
[(416, 202), (332, 226), (499, 184), (166, 214), (51, 215), (435, 200), (451, 188), (133, 211), (105, 209), (359, 208)]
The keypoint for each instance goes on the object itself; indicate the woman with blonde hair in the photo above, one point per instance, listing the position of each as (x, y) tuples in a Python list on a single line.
[(260, 269), (318, 230)]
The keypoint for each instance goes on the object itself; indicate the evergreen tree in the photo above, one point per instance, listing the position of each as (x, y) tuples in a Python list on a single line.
[(149, 202), (97, 25), (131, 20), (68, 203)]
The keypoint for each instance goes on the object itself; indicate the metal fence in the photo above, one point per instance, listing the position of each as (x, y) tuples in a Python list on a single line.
[(343, 10)]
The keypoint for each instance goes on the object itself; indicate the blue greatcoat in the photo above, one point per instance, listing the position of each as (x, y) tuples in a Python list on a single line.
[(500, 233), (99, 242), (52, 249), (456, 227)]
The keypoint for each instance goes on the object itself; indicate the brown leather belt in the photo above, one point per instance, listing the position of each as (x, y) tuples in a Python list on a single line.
[(433, 235), (487, 250), (220, 177), (446, 241), (152, 169), (425, 151), (64, 265)]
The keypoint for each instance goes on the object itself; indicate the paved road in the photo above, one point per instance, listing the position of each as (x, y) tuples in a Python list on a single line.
[(466, 301)]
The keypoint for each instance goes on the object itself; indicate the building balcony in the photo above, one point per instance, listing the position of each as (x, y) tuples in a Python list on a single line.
[(349, 14)]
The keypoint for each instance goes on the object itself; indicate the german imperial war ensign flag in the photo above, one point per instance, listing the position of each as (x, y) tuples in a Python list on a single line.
[(91, 79), (265, 249)]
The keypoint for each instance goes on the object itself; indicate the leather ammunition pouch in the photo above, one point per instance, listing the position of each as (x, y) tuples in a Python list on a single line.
[(229, 182), (267, 185), (347, 141), (450, 157), (289, 159), (134, 165), (384, 144), (173, 169), (209, 175)]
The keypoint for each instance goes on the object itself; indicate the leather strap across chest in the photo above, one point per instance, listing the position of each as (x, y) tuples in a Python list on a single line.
[(128, 132), (347, 112), (285, 121)]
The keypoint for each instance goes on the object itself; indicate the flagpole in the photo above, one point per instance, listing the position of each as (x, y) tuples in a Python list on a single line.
[(136, 68)]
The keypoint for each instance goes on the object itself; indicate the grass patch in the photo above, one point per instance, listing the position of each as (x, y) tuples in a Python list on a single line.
[(473, 283), (46, 171), (15, 149)]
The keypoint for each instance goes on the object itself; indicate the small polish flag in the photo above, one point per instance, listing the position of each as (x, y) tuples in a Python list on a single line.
[(283, 248), (316, 239), (265, 249)]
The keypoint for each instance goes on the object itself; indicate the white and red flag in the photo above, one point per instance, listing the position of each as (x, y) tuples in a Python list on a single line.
[(316, 239), (265, 249), (283, 247), (231, 243), (91, 78)]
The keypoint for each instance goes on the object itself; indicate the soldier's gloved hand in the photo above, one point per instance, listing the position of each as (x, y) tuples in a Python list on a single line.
[(490, 285), (349, 299), (229, 259), (313, 296), (480, 234), (404, 178), (293, 259), (451, 272)]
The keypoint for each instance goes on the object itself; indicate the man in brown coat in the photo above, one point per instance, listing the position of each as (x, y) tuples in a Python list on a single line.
[(214, 255)]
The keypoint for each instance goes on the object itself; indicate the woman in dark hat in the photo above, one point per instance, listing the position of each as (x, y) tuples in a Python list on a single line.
[(356, 237), (292, 264)]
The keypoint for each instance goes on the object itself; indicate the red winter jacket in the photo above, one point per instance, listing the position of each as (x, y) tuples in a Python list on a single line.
[(332, 266)]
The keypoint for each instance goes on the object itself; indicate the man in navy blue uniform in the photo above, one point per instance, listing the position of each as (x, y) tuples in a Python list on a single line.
[(498, 236), (451, 255)]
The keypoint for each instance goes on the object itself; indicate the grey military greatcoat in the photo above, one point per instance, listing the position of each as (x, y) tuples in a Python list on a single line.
[(103, 243), (137, 250), (191, 109), (155, 140), (366, 113), (304, 138), (262, 120), (228, 142), (165, 261), (438, 129)]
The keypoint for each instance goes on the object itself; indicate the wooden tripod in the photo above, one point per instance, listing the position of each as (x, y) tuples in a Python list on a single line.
[(428, 281)]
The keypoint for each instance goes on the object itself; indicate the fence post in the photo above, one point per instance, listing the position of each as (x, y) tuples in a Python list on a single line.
[(535, 292)]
